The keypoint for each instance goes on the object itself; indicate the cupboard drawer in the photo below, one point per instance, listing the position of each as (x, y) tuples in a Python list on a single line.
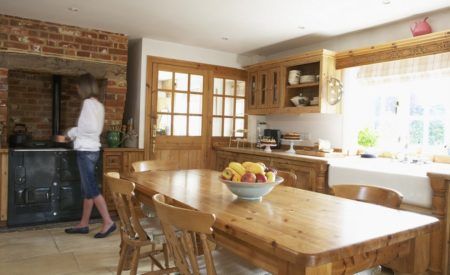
[(113, 161)]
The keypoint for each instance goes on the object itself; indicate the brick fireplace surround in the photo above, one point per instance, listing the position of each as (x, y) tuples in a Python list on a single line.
[(32, 50)]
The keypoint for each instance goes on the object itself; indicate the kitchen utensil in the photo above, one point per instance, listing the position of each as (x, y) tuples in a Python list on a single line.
[(294, 77), (335, 90), (251, 190), (20, 136), (307, 78), (303, 100), (60, 139), (420, 27), (294, 100)]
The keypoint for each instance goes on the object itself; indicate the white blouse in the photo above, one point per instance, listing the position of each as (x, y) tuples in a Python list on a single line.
[(86, 135)]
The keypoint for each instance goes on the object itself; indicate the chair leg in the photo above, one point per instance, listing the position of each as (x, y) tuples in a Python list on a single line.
[(135, 260), (166, 255), (153, 249), (123, 254)]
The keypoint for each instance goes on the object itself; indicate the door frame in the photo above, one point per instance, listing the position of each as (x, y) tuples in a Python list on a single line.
[(150, 98)]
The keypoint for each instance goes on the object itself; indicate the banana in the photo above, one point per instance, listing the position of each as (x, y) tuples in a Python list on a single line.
[(255, 168), (237, 167), (247, 164)]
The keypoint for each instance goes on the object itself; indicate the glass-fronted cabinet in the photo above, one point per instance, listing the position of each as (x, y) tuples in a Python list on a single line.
[(263, 89), (252, 90), (274, 88)]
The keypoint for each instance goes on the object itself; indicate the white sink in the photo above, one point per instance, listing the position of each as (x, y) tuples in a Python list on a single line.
[(409, 179)]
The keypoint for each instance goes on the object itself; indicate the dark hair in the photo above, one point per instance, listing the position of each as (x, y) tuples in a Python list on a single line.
[(87, 86)]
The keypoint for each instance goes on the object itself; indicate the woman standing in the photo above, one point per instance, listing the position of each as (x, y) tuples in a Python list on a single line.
[(86, 137)]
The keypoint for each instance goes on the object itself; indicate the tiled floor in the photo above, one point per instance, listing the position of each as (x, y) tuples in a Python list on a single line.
[(51, 251)]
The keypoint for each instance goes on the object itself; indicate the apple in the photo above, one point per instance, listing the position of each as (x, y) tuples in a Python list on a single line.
[(261, 178), (248, 177), (227, 173), (270, 176), (273, 170)]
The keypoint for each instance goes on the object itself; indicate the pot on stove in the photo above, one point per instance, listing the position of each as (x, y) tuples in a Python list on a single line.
[(20, 136)]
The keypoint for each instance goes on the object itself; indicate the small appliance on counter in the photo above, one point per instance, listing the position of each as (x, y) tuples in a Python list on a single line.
[(275, 134)]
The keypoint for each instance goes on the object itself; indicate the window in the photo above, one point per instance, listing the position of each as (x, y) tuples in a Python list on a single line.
[(407, 102), (179, 104), (228, 107)]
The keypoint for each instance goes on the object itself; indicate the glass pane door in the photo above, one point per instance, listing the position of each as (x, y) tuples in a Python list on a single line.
[(179, 106)]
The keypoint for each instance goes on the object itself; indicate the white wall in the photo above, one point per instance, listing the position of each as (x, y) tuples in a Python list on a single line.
[(323, 126), (439, 21), (332, 127), (137, 65)]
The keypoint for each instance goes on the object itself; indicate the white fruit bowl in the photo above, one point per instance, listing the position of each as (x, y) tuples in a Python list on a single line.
[(251, 191)]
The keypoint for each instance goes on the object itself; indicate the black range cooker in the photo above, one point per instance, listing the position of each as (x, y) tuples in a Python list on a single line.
[(44, 185)]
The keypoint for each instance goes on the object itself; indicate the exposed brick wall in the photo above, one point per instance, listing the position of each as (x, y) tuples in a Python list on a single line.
[(30, 102), (44, 38), (70, 43)]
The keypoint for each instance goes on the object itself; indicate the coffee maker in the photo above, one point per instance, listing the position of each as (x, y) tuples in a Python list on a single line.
[(275, 134)]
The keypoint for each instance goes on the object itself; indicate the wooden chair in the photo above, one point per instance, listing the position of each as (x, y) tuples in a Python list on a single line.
[(133, 235), (182, 228), (372, 194), (154, 165), (290, 179)]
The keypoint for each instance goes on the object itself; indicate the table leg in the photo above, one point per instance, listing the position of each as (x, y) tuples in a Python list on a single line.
[(417, 260), (324, 269)]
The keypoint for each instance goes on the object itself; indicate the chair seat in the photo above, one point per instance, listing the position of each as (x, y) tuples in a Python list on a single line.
[(226, 262), (153, 229)]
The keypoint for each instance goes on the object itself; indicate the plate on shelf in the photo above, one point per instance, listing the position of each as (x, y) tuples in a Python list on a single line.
[(307, 78)]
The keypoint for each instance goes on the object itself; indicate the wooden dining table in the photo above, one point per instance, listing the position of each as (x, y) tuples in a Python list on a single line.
[(294, 231)]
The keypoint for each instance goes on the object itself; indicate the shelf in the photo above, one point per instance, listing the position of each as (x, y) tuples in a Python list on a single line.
[(303, 85), (300, 110)]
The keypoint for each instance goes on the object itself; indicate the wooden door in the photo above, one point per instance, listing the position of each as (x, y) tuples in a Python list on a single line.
[(274, 93), (178, 125), (252, 90)]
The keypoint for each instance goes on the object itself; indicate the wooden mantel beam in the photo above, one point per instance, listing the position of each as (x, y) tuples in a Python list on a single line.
[(433, 43)]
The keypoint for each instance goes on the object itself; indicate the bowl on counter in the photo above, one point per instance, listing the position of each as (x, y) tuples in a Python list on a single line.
[(251, 190)]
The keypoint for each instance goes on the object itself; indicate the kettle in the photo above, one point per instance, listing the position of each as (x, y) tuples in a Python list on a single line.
[(420, 27)]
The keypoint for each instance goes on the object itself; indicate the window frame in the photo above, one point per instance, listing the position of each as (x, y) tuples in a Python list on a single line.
[(188, 94), (222, 116)]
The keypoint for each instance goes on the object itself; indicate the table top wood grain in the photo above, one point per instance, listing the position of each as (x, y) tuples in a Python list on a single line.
[(298, 225)]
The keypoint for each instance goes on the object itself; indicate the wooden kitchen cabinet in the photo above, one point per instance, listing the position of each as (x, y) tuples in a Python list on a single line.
[(118, 160), (311, 174), (264, 90), (269, 87)]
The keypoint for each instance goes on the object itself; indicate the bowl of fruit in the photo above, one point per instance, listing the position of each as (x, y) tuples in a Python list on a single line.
[(250, 180)]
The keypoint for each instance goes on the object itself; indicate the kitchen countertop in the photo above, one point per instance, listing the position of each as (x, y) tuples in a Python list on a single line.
[(274, 153), (384, 165)]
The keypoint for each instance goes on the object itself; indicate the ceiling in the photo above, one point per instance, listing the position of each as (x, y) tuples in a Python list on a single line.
[(237, 26)]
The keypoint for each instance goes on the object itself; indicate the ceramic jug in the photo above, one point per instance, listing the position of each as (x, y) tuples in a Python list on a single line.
[(420, 27)]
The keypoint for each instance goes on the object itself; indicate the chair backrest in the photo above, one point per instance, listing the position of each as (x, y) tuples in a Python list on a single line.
[(372, 194), (122, 192), (290, 179), (182, 243), (154, 165)]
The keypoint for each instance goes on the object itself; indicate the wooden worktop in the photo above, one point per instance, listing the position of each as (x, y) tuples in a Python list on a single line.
[(275, 153), (121, 149)]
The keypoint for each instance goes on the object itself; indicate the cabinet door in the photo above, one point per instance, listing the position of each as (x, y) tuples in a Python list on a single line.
[(274, 88), (252, 90), (306, 175), (262, 96)]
